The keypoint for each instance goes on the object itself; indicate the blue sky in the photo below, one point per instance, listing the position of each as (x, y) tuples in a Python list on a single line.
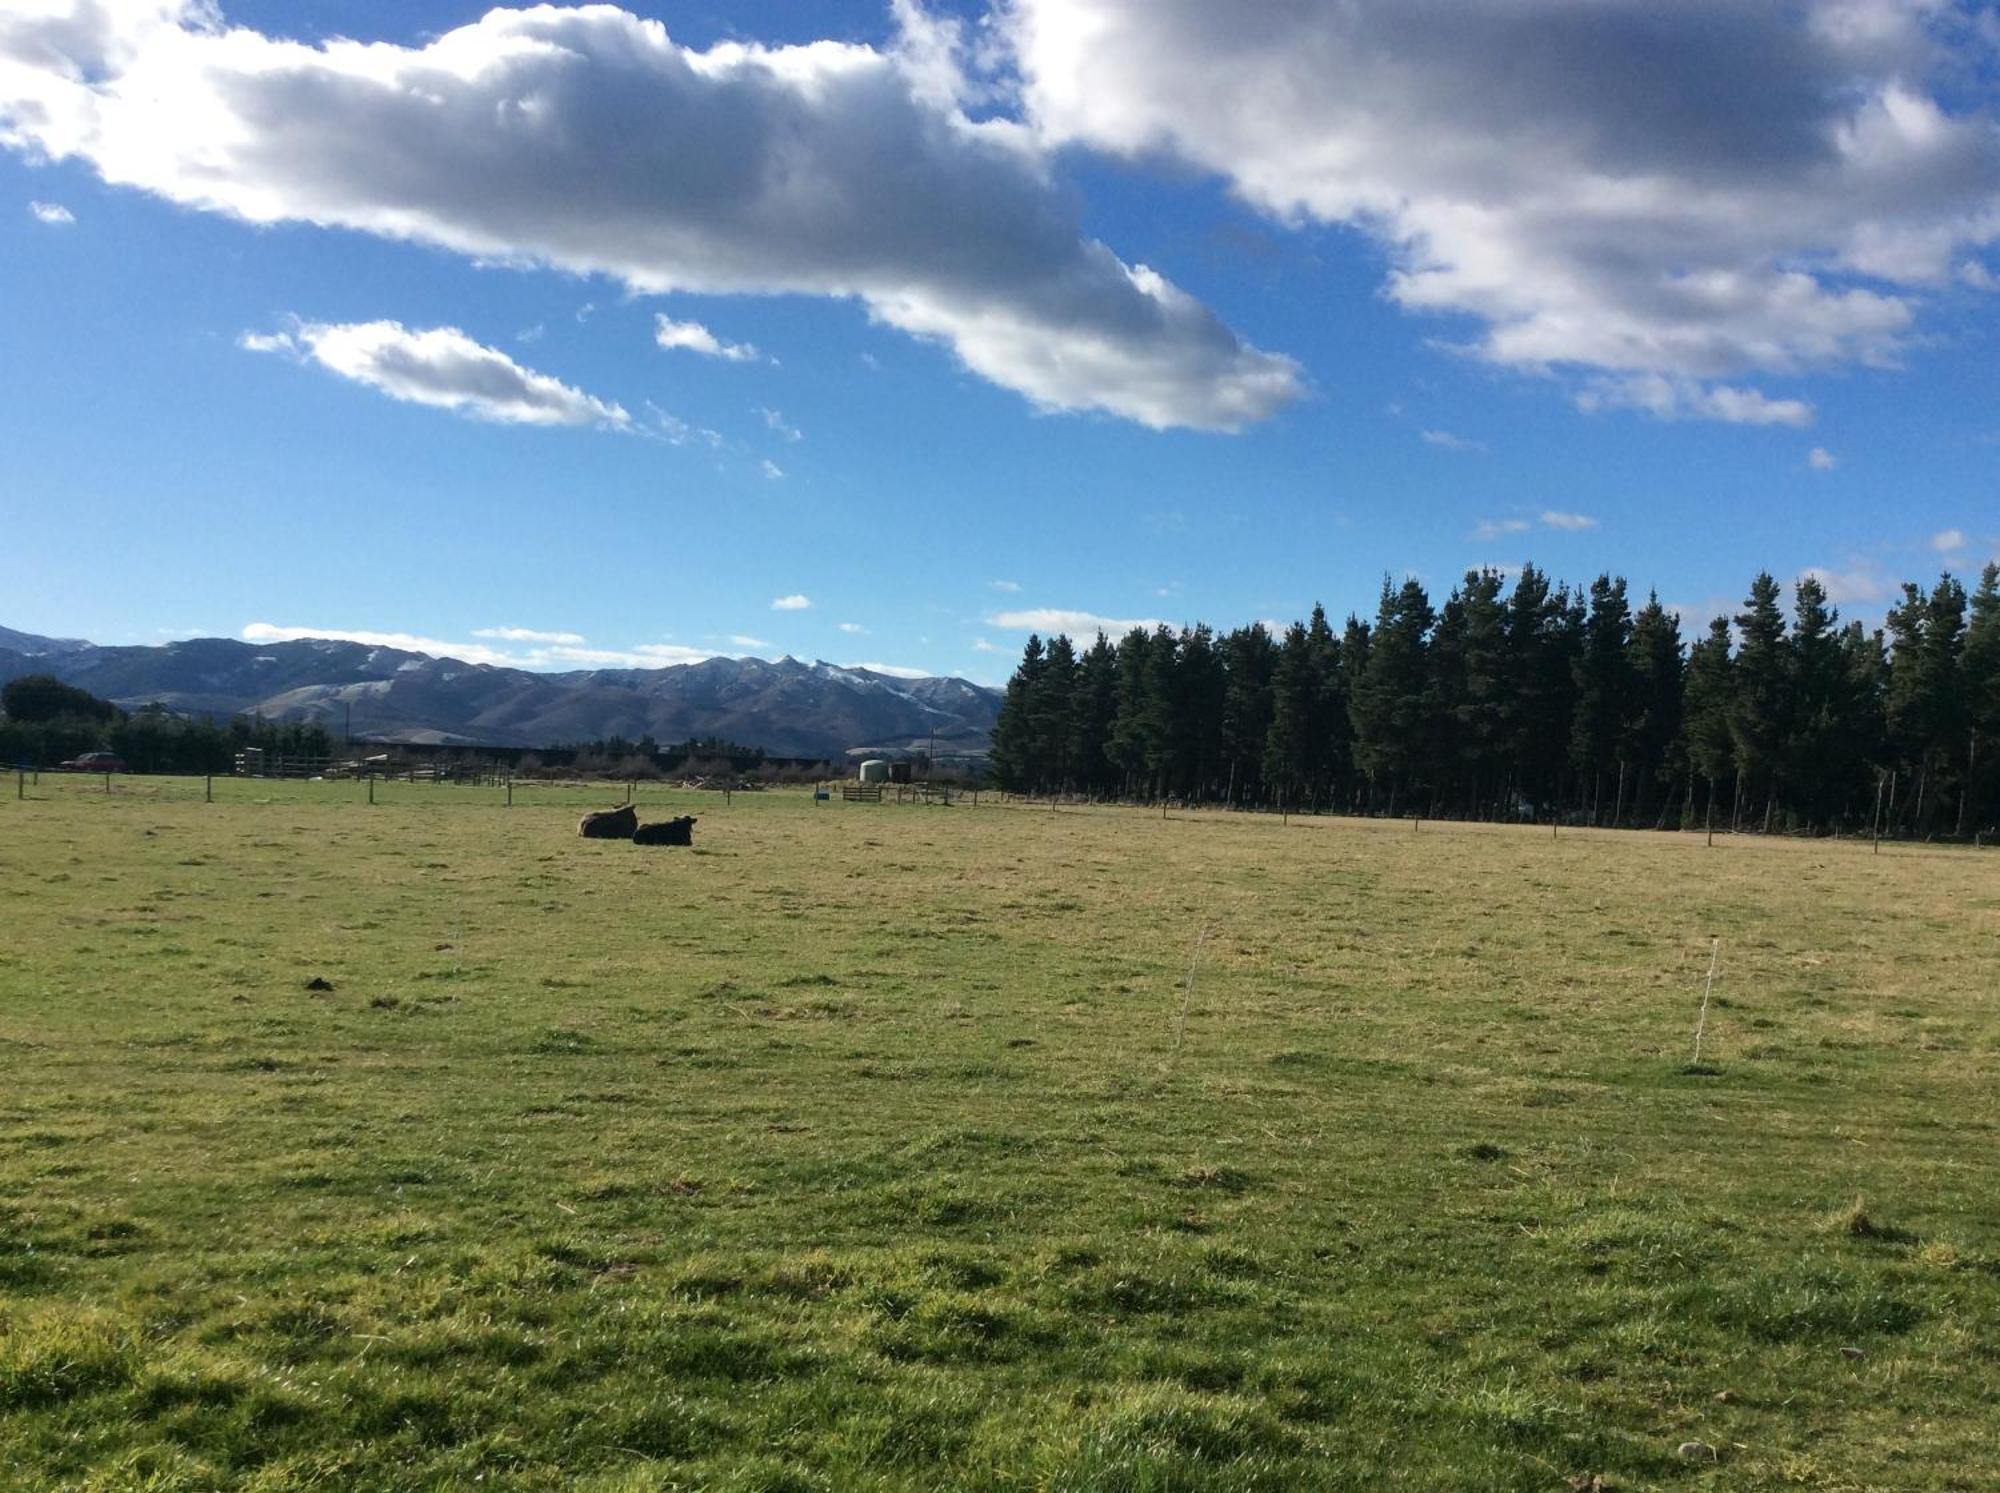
[(1422, 358)]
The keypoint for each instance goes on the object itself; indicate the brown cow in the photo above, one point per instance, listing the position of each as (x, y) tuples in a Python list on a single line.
[(609, 824)]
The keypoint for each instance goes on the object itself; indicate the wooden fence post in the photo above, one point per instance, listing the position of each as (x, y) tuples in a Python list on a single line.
[(208, 789)]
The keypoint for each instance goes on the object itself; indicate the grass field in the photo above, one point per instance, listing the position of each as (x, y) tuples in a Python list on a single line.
[(878, 1147)]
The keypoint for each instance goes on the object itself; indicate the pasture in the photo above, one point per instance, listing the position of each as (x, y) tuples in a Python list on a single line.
[(890, 1148)]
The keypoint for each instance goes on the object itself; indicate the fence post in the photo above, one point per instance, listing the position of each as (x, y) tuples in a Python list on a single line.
[(20, 782), (510, 790), (107, 782), (208, 789), (371, 787)]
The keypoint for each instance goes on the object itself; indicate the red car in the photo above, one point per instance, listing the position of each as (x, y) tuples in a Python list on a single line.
[(94, 762)]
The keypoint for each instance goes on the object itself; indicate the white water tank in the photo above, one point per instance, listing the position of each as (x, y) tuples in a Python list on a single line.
[(874, 770)]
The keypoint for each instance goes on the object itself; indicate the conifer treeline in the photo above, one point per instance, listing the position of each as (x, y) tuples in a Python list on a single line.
[(1538, 701)]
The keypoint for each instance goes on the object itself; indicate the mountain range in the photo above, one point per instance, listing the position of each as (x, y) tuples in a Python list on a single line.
[(785, 706)]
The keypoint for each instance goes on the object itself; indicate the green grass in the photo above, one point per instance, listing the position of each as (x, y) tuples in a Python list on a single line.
[(855, 1150)]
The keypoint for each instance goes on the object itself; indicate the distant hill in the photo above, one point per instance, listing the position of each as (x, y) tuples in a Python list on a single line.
[(34, 645), (787, 707)]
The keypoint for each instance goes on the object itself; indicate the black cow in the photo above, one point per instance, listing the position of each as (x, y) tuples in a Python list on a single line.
[(667, 832), (609, 824)]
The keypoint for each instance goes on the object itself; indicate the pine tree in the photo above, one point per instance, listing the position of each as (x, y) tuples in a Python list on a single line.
[(1652, 726), (1979, 666), (1539, 633), (1825, 766), (1389, 704), (1329, 734), (1011, 756), (1925, 709), (1095, 709), (1709, 709), (1052, 715), (1249, 661), (1602, 673), (1199, 692), (1760, 721), (1136, 719), (1288, 739)]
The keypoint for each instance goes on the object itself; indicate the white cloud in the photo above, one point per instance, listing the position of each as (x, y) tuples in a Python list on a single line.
[(894, 671), (1007, 586), (52, 213), (744, 640), (1445, 440), (1572, 523), (796, 602), (677, 432), (775, 421), (268, 342), (556, 656), (1688, 399), (443, 368), (586, 139), (980, 645), (1948, 541), (770, 469), (1549, 518), (1058, 619), (853, 629), (1821, 460), (543, 657), (1862, 584), (526, 635), (1697, 191), (692, 336)]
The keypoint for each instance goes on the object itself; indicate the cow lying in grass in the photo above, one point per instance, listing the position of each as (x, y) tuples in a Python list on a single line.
[(609, 824), (667, 832)]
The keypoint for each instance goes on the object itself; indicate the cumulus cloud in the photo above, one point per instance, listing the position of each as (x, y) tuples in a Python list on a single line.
[(443, 368), (1075, 623), (1948, 541), (1691, 192), (744, 640), (1821, 460), (52, 213), (1444, 440), (587, 139), (543, 656), (853, 629), (692, 336), (796, 602)]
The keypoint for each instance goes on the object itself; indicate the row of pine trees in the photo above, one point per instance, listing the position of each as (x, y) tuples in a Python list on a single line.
[(1541, 701)]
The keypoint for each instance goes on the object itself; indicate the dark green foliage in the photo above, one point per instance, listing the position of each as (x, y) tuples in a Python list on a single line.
[(40, 698), (1539, 702), (48, 722)]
